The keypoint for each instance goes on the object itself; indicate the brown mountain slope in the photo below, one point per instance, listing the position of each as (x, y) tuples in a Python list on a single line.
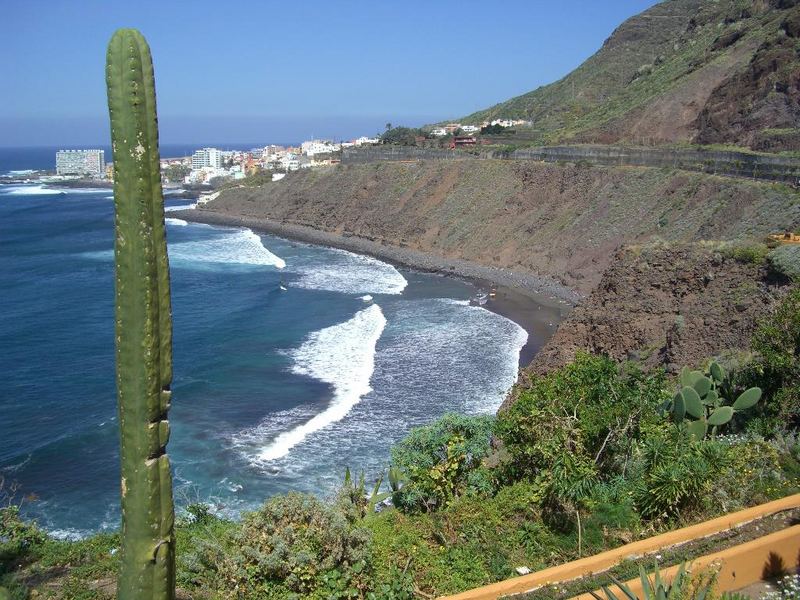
[(562, 222), (723, 71)]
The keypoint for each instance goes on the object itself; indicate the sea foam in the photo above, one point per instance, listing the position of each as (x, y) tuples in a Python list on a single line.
[(343, 356), (180, 207), (29, 190), (351, 273), (237, 247), (233, 247), (473, 352)]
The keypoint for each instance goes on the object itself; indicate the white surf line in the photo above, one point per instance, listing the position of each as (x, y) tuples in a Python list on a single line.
[(342, 355), (234, 246), (351, 273)]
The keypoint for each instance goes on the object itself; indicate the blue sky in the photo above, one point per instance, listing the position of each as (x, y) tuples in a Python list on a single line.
[(263, 71)]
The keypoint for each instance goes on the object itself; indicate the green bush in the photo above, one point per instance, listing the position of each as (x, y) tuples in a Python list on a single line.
[(439, 461), (786, 260), (295, 543), (753, 473), (18, 538), (755, 253), (672, 474), (777, 369), (592, 408)]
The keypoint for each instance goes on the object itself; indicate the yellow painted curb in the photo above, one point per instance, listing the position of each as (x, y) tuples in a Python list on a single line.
[(606, 560), (741, 565)]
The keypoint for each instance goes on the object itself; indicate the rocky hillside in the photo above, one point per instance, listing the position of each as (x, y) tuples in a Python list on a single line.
[(670, 305), (562, 222), (721, 71)]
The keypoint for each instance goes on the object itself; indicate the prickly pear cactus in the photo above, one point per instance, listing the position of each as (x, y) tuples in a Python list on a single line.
[(143, 324), (700, 398)]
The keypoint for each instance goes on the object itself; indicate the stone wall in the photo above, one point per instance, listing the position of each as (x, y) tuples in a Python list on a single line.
[(718, 162)]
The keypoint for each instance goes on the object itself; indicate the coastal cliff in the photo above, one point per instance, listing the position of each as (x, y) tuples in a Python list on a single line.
[(667, 305), (559, 223)]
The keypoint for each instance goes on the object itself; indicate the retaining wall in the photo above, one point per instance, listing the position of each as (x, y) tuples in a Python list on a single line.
[(738, 164)]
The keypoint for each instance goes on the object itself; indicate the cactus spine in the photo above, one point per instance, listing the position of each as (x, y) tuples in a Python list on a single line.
[(143, 324)]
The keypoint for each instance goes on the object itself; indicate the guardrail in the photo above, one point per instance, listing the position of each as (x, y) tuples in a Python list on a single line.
[(606, 560)]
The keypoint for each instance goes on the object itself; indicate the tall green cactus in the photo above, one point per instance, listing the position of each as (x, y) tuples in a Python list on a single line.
[(143, 324)]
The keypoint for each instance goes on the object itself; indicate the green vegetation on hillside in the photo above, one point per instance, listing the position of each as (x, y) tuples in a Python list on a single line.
[(672, 74), (467, 510)]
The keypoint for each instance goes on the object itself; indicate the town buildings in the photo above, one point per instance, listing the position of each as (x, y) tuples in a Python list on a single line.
[(314, 147), (81, 162), (207, 157)]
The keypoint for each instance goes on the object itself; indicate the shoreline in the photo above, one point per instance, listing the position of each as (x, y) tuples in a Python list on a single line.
[(519, 298)]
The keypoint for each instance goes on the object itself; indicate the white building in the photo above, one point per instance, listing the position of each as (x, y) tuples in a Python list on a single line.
[(439, 131), (81, 162), (318, 147), (507, 122), (364, 140), (207, 157), (470, 128)]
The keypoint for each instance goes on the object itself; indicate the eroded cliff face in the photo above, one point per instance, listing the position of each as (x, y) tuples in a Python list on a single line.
[(666, 305), (563, 222)]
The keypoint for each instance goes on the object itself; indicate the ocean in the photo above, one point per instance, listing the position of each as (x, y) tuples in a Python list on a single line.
[(291, 361)]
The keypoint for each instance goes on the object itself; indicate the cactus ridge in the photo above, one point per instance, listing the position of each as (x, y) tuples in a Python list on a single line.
[(143, 324)]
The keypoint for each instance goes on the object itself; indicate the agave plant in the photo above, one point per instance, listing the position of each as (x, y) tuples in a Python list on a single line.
[(656, 588), (699, 403), (371, 501)]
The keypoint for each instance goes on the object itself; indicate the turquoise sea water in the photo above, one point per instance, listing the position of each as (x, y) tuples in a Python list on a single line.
[(292, 361)]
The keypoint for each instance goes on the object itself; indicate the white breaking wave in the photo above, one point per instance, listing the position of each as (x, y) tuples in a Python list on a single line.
[(30, 190), (70, 534), (455, 302), (179, 222), (180, 207), (351, 273), (242, 247), (87, 190), (234, 247), (473, 352), (366, 298), (343, 356)]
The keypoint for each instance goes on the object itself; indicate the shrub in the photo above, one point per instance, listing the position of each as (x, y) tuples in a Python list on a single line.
[(298, 543), (777, 369), (672, 473), (699, 404), (752, 474), (18, 538), (786, 260), (586, 413), (755, 253), (439, 459), (354, 502)]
